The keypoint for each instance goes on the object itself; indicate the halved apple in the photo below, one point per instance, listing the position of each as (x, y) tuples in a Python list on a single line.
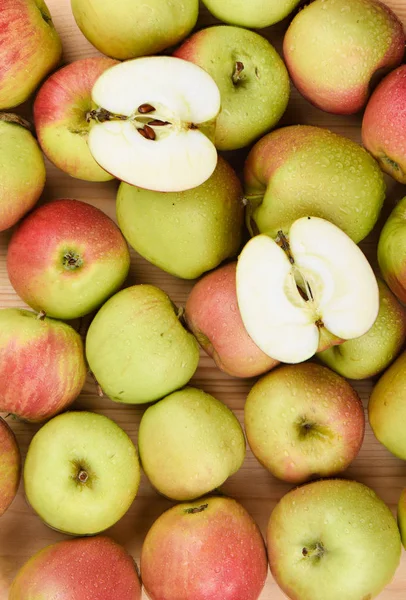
[(296, 290), (153, 123)]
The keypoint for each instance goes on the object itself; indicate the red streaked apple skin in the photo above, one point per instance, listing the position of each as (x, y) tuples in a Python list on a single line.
[(94, 568), (42, 366), (60, 113), (10, 466), (210, 549), (213, 317)]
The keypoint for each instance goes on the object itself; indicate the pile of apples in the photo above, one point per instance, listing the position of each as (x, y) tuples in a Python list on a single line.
[(154, 113)]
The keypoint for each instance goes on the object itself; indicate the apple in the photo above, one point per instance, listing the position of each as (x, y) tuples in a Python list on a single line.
[(205, 550), (392, 251), (302, 170), (213, 317), (10, 466), (130, 28), (81, 473), (349, 43), (22, 176), (298, 290), (42, 365), (252, 79), (61, 112), (153, 123), (333, 539), (137, 347), (189, 444), (73, 567), (67, 258), (383, 126), (374, 351), (402, 517), (387, 409), (255, 14), (30, 49), (185, 233)]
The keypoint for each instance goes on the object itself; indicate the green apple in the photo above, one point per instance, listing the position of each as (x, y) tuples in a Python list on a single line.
[(392, 251), (402, 516), (255, 14), (374, 351), (81, 473), (10, 466), (331, 540), (189, 444), (301, 170), (137, 347), (252, 79), (185, 233)]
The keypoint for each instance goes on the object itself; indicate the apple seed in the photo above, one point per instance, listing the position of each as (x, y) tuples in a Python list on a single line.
[(144, 109)]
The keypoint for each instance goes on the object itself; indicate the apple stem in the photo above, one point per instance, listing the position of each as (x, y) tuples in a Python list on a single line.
[(99, 389), (238, 69), (196, 509), (282, 240), (101, 115), (41, 315), (16, 119)]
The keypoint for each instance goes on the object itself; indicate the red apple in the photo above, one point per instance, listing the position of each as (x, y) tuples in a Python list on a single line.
[(67, 258), (212, 315), (42, 365), (82, 569), (61, 112), (210, 549), (10, 466)]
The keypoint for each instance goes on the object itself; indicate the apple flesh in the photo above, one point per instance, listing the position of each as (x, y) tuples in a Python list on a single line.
[(213, 317), (10, 466), (151, 120), (291, 288), (61, 112), (22, 177), (185, 233), (402, 517), (81, 473), (189, 444), (333, 539), (252, 79), (42, 365), (206, 550), (67, 258), (256, 14), (301, 170), (392, 251), (349, 44), (73, 566), (130, 28)]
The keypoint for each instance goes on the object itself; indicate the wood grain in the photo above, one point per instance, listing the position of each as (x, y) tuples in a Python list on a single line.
[(21, 532)]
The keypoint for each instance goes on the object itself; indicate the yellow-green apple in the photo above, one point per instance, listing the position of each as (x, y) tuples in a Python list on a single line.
[(189, 444), (301, 170), (66, 258), (206, 550), (74, 568), (251, 76), (22, 177), (213, 317), (383, 126), (333, 539), (374, 351), (185, 233), (153, 123), (81, 473), (256, 14), (42, 365), (30, 49), (305, 291), (61, 113), (392, 251), (303, 422), (138, 348), (387, 408), (402, 517), (349, 43), (10, 466), (130, 28)]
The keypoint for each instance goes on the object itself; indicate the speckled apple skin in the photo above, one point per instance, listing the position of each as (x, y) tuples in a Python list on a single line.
[(82, 569), (215, 553), (10, 466), (334, 47), (392, 251)]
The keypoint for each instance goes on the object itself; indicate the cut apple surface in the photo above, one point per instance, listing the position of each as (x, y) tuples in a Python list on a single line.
[(294, 290), (154, 121)]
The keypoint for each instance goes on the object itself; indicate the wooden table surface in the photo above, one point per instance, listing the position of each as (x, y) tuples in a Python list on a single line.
[(21, 531)]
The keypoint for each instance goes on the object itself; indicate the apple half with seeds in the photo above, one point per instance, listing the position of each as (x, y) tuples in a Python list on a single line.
[(308, 289), (154, 123)]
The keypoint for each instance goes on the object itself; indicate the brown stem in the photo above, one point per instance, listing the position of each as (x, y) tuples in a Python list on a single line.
[(16, 119)]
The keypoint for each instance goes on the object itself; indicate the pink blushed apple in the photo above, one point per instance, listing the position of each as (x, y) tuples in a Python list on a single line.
[(10, 466)]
